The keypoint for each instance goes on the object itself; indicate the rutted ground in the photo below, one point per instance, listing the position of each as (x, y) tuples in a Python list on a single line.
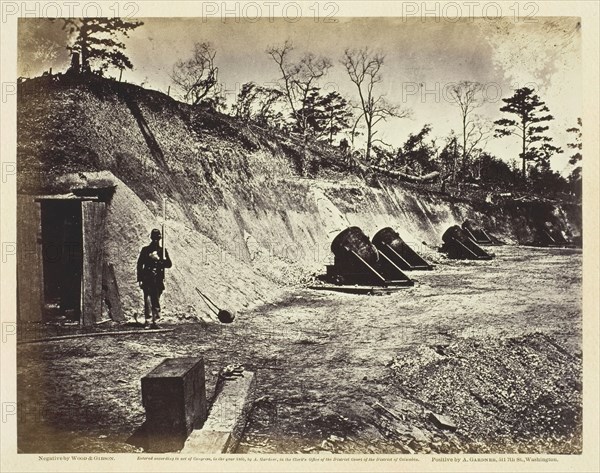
[(324, 359)]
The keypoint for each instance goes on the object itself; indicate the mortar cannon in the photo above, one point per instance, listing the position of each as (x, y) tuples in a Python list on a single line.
[(477, 233), (357, 261), (389, 243), (458, 245), (551, 235)]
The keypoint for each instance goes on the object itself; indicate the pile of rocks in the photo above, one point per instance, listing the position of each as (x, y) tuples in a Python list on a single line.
[(503, 395)]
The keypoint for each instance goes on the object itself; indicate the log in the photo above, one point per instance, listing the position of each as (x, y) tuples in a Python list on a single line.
[(432, 176), (442, 422)]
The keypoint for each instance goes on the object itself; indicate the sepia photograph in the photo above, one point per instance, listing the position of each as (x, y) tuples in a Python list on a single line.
[(289, 230)]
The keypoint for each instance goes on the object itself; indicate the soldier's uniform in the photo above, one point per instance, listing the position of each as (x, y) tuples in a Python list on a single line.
[(151, 266)]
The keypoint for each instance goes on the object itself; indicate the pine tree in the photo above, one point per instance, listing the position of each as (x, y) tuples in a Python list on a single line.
[(95, 40), (416, 154), (298, 81), (326, 115), (535, 146), (575, 178), (575, 158), (336, 114)]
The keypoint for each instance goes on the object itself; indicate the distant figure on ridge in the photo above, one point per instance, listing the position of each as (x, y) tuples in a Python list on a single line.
[(151, 266)]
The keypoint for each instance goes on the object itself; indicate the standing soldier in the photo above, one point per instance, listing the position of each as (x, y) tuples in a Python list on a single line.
[(151, 266)]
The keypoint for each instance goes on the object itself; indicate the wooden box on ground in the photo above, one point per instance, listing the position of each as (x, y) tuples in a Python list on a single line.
[(174, 396)]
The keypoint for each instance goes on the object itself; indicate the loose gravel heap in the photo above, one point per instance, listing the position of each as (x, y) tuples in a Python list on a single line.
[(519, 395)]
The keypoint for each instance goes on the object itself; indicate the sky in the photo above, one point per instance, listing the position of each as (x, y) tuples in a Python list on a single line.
[(422, 58)]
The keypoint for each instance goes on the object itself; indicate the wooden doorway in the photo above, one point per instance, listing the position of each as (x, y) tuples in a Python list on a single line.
[(60, 248), (62, 256)]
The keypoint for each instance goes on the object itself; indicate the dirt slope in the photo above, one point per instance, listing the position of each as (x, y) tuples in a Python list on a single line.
[(242, 223)]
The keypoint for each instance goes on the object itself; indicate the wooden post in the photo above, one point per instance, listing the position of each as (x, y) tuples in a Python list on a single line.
[(111, 292), (93, 215), (164, 236), (30, 281)]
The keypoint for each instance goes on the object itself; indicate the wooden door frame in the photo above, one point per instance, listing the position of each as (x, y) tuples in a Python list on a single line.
[(93, 215)]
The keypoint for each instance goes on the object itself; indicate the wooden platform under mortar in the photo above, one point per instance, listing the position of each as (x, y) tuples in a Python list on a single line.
[(369, 290)]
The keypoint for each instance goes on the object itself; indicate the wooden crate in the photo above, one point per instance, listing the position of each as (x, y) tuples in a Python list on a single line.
[(174, 396)]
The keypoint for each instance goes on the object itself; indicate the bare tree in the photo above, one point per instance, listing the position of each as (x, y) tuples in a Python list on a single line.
[(197, 77), (467, 95), (298, 79), (479, 131), (363, 67)]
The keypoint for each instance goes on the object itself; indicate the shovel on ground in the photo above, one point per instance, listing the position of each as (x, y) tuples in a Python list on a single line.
[(224, 316)]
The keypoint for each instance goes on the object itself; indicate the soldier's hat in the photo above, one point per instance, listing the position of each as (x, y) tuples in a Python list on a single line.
[(155, 234)]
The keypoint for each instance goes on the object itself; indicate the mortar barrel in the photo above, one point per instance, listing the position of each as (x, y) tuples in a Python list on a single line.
[(389, 242), (353, 239), (388, 236), (472, 228), (474, 251), (470, 225), (456, 233)]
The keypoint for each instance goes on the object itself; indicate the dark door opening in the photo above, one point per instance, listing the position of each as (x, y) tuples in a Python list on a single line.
[(62, 253)]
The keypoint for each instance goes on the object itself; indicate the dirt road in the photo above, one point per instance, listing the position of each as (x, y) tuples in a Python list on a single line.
[(324, 358)]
